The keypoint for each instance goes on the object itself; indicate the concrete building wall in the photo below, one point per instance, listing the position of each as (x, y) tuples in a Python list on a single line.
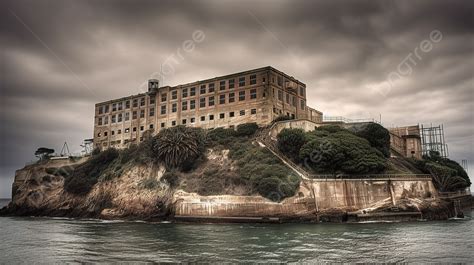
[(258, 95)]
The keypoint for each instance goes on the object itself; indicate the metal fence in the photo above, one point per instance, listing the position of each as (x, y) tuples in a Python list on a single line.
[(372, 176)]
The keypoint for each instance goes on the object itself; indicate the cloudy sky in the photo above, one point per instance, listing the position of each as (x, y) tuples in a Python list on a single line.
[(59, 58)]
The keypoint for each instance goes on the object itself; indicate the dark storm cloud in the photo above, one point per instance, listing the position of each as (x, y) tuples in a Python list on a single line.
[(59, 58)]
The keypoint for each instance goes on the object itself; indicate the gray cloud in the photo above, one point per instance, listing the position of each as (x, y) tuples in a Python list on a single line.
[(91, 51)]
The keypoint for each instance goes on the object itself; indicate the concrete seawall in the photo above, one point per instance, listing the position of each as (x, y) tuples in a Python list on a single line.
[(314, 196)]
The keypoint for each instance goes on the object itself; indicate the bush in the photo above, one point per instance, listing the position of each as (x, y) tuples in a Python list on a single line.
[(149, 183), (282, 118), (221, 136), (172, 178), (290, 141), (246, 129), (341, 152), (378, 137), (265, 173), (86, 175)]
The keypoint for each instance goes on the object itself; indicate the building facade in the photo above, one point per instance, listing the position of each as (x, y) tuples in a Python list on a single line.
[(258, 95), (406, 141)]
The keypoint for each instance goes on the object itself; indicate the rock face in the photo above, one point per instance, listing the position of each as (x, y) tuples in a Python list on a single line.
[(36, 192)]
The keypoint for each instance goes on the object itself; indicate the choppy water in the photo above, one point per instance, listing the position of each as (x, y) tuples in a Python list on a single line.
[(48, 240)]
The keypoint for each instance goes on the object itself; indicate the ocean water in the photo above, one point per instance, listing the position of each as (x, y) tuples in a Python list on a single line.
[(47, 240)]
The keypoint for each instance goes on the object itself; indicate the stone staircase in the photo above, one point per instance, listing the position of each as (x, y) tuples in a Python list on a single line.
[(265, 140)]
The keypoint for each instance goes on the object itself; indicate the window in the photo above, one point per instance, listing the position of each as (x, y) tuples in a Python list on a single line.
[(231, 114), (253, 79), (105, 133), (231, 97), (174, 107), (231, 83), (106, 120), (241, 95), (152, 112), (211, 101), (287, 98), (119, 131), (184, 105), (302, 104), (101, 109), (142, 102), (222, 85), (119, 106), (114, 107), (142, 128), (185, 92), (162, 125), (242, 81), (222, 99), (221, 116), (113, 119), (142, 113), (174, 94), (151, 126), (127, 130), (253, 111), (100, 121), (173, 123), (242, 112), (253, 93), (127, 116), (192, 91), (106, 110), (202, 102), (119, 117), (293, 101), (280, 95), (163, 109), (211, 117), (302, 91), (183, 121), (203, 118), (203, 89), (193, 120), (127, 104), (192, 104), (279, 80), (134, 129), (135, 103), (163, 97), (152, 101), (113, 132), (211, 88), (263, 80)]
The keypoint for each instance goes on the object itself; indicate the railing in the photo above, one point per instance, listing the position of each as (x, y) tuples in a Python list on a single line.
[(346, 120), (454, 193), (372, 176)]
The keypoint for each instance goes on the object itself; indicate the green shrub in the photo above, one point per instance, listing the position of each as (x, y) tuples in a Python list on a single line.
[(86, 175), (282, 118), (340, 151), (221, 136), (290, 141), (172, 178), (149, 183), (246, 129), (377, 135)]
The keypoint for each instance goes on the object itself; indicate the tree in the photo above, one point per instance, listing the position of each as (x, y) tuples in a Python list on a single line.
[(178, 147), (290, 141), (342, 152), (44, 153), (377, 135)]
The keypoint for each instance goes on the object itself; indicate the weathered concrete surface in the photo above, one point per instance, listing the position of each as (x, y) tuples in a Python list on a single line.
[(305, 125), (314, 196)]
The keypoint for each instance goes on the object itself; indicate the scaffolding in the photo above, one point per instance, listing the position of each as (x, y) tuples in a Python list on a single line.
[(432, 139)]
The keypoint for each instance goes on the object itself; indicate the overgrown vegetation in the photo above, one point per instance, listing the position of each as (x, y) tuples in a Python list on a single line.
[(376, 134), (447, 174), (331, 149)]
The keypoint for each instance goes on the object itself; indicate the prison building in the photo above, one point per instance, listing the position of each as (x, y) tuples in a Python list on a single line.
[(406, 141), (258, 95)]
